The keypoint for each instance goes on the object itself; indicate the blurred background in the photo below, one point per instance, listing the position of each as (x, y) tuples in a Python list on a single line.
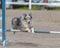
[(17, 4)]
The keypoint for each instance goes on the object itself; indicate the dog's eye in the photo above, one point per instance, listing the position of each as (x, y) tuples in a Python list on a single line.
[(25, 15)]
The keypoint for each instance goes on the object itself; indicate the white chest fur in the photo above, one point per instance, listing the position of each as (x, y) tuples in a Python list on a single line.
[(25, 24)]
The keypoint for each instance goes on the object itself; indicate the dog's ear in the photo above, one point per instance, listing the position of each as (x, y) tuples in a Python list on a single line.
[(30, 15), (24, 14)]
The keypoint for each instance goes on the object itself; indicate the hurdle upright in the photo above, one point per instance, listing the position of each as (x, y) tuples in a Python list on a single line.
[(3, 29)]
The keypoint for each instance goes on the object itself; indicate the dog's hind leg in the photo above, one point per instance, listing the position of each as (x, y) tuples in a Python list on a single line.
[(14, 32)]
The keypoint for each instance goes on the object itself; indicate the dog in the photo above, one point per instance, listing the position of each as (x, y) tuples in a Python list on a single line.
[(23, 23)]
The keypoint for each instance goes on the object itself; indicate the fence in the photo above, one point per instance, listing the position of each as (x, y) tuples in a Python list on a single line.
[(30, 3)]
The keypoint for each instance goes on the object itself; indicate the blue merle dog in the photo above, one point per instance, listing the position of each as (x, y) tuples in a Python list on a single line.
[(23, 23)]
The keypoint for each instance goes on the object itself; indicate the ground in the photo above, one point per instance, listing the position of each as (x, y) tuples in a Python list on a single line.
[(43, 20)]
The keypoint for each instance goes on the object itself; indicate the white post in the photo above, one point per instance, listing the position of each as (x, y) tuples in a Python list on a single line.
[(29, 4)]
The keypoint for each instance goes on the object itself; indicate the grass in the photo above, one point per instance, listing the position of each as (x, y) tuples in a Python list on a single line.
[(35, 7), (24, 8), (27, 8), (57, 8), (54, 8)]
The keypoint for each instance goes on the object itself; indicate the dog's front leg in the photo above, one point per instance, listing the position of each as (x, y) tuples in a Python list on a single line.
[(27, 29), (32, 30)]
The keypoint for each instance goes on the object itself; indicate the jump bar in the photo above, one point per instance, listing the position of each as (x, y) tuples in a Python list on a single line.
[(36, 31), (11, 30), (45, 31)]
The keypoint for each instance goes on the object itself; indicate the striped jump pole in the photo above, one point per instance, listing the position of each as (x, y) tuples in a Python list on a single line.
[(36, 31)]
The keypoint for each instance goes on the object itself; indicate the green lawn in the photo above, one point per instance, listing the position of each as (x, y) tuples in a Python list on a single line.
[(33, 8), (36, 8)]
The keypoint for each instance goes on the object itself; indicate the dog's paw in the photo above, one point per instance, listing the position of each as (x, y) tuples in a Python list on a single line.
[(29, 31), (33, 32)]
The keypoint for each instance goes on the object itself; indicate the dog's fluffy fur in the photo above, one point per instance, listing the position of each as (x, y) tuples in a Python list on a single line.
[(23, 23)]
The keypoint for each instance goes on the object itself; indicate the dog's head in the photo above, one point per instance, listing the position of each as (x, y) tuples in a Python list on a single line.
[(27, 17)]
